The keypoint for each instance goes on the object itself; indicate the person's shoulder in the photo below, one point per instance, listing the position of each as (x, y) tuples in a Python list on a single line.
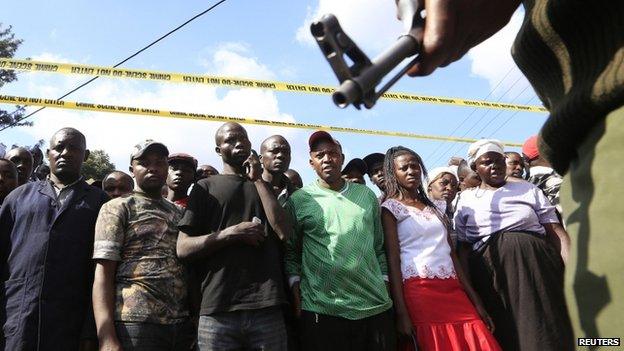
[(363, 190), (171, 206), (24, 190), (309, 188), (303, 194), (468, 192), (120, 202)]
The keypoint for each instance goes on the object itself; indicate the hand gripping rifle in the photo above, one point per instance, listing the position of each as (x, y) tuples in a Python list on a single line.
[(358, 81)]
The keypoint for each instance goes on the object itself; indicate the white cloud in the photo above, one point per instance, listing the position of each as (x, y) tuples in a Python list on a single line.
[(492, 60), (234, 59), (117, 133), (371, 24)]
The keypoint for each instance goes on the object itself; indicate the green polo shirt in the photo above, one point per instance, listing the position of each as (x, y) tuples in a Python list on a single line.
[(337, 249)]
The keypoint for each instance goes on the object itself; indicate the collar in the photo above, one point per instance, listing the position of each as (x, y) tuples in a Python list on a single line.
[(344, 188), (539, 170), (66, 186)]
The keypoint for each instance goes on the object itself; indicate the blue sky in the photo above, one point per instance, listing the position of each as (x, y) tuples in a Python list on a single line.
[(253, 39)]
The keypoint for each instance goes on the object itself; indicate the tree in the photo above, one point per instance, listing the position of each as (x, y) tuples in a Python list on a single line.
[(97, 166), (8, 46)]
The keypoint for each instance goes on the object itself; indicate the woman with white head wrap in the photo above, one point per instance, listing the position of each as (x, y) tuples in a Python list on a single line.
[(517, 250), (480, 147), (442, 186)]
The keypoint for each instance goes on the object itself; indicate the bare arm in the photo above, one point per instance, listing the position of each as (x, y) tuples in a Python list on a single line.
[(192, 247), (276, 215), (404, 324), (558, 236), (460, 263), (104, 304)]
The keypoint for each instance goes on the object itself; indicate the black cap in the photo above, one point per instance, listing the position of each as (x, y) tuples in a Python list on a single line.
[(372, 159), (355, 163)]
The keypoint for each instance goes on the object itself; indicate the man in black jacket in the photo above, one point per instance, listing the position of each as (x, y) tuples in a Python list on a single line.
[(46, 242)]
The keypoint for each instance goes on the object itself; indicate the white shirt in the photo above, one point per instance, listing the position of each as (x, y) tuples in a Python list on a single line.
[(423, 240), (516, 206)]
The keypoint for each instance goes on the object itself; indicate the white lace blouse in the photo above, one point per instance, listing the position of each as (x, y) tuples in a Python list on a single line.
[(425, 251)]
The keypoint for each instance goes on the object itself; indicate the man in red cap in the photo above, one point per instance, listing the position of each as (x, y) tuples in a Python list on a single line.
[(181, 175), (336, 260), (540, 172)]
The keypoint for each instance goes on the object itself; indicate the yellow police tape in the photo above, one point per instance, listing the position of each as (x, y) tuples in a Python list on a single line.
[(110, 72), (72, 105)]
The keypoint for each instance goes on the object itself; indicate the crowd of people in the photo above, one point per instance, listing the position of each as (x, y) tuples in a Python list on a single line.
[(177, 256)]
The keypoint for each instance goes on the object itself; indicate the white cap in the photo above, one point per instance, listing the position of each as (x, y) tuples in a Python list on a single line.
[(480, 147), (438, 172)]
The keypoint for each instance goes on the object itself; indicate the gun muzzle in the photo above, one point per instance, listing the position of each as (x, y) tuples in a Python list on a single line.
[(362, 87)]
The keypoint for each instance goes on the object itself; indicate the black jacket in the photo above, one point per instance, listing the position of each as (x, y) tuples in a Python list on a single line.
[(45, 265)]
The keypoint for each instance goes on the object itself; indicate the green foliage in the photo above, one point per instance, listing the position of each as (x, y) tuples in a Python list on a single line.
[(8, 46), (97, 166)]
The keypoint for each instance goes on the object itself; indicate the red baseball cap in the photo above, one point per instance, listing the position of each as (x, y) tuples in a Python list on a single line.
[(182, 157), (321, 135), (530, 148)]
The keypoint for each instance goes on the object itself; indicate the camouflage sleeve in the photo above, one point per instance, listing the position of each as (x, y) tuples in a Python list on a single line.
[(109, 232)]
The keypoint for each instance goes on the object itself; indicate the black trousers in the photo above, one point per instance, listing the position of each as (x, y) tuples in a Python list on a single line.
[(323, 332), (519, 277)]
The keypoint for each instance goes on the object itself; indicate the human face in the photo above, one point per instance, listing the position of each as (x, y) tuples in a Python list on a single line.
[(116, 185), (354, 176), (515, 165), (181, 176), (467, 178), (444, 188), (491, 168), (377, 175), (233, 145), (8, 179), (326, 159), (23, 160), (66, 154), (150, 172), (275, 155), (408, 172)]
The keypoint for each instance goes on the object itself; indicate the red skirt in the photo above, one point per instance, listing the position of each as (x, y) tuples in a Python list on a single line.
[(444, 318)]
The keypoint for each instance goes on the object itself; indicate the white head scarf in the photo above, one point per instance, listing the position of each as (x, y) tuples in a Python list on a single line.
[(439, 171), (480, 147)]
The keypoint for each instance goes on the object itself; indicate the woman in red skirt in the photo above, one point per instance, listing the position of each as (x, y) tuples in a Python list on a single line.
[(435, 306)]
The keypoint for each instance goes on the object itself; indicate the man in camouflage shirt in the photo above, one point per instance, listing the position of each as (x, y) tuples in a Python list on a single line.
[(140, 291)]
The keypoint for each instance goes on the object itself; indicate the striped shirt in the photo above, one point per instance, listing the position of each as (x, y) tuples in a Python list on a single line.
[(337, 249)]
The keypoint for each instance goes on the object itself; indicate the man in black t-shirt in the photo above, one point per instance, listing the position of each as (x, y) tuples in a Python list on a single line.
[(231, 233)]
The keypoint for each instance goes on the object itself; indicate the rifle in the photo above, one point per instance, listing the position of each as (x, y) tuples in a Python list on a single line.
[(359, 80)]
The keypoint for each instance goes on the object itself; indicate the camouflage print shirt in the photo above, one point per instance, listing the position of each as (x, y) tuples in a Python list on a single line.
[(140, 233)]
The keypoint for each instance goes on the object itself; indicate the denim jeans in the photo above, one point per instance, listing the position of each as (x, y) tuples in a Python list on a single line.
[(261, 329), (155, 337)]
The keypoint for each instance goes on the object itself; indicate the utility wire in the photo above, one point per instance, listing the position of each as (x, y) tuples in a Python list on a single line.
[(476, 135), (452, 145), (509, 119), (499, 113), (470, 114), (123, 61)]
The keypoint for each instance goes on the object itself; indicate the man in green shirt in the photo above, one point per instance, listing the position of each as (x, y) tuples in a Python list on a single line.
[(336, 260)]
